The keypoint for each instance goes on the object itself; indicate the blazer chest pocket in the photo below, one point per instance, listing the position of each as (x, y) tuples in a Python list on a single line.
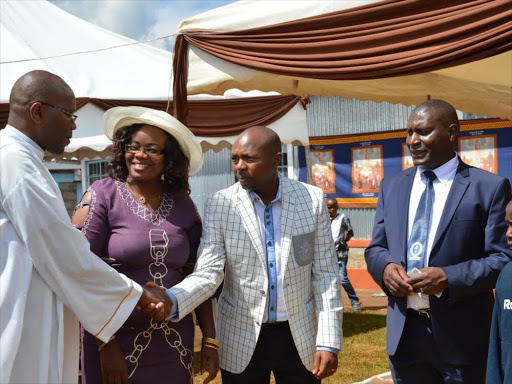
[(303, 248)]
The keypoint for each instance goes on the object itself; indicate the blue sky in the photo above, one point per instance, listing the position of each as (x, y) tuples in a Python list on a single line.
[(139, 19)]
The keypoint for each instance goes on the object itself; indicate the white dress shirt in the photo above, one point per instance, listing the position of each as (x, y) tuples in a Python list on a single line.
[(336, 226), (445, 174)]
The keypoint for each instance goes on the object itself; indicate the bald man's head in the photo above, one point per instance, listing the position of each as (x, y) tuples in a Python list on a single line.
[(440, 109), (432, 131), (41, 105), (263, 138), (256, 154), (36, 86)]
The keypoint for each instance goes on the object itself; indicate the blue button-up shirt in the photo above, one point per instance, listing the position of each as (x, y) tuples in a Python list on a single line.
[(269, 220)]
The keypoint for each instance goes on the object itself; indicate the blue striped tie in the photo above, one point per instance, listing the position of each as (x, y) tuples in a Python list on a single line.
[(417, 246)]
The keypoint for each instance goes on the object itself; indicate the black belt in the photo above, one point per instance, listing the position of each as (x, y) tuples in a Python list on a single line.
[(422, 313), (276, 325)]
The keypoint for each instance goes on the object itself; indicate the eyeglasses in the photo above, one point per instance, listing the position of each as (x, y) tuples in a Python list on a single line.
[(133, 149), (69, 115)]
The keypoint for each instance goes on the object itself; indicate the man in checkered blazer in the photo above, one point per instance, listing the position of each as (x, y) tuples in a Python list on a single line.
[(269, 238)]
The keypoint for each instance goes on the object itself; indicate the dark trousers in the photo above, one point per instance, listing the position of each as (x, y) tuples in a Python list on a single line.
[(275, 352), (417, 361)]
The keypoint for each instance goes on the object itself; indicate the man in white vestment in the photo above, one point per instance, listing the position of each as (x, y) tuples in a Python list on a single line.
[(49, 279)]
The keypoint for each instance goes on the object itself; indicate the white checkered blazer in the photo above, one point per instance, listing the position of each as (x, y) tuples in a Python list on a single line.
[(231, 240)]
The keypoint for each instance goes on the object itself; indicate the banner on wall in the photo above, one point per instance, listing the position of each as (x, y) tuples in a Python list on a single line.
[(351, 167)]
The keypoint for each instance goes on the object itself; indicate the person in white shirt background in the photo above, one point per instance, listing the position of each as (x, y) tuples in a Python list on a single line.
[(342, 232)]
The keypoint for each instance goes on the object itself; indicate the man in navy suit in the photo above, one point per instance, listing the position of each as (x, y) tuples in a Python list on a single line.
[(437, 248)]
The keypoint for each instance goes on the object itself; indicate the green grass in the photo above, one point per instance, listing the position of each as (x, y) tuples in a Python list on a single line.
[(364, 349)]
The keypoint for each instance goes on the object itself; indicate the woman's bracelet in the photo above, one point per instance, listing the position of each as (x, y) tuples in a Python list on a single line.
[(104, 344), (211, 343)]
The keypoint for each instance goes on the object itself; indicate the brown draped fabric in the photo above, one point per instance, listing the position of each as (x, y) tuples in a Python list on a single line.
[(211, 118), (383, 39)]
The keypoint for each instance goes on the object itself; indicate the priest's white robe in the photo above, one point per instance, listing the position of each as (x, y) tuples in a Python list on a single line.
[(49, 278)]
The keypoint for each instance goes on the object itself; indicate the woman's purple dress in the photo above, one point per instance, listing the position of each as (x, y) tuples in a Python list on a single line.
[(146, 246)]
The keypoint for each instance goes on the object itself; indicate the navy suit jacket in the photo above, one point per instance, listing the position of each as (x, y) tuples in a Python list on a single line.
[(469, 245)]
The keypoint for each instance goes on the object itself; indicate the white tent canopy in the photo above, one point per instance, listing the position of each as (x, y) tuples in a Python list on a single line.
[(481, 87), (38, 29)]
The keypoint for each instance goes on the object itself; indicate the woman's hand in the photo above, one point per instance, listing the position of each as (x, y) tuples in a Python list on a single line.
[(209, 363), (209, 356), (113, 364)]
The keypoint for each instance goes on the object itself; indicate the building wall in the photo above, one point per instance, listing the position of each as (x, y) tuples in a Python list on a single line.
[(69, 191), (332, 116), (216, 174), (68, 187)]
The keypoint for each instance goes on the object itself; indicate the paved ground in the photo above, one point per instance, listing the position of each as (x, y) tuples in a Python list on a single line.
[(368, 301), (383, 378)]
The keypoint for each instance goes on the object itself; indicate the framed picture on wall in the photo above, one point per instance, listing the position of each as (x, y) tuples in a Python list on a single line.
[(322, 169), (480, 151), (367, 168), (406, 158)]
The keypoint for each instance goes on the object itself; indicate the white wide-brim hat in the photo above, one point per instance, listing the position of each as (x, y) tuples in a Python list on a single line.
[(120, 117)]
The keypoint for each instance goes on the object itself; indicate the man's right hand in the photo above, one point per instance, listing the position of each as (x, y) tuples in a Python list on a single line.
[(394, 278), (155, 302)]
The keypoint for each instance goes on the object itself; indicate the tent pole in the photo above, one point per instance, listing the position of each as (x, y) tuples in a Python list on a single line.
[(290, 161)]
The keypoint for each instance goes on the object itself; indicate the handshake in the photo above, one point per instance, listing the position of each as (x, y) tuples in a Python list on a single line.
[(155, 302)]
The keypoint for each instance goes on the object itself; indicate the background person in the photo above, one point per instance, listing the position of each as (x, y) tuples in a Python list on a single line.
[(342, 232), (499, 362), (48, 275), (444, 218), (143, 220)]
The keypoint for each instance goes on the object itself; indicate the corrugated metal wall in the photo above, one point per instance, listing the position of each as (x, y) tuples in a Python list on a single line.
[(362, 221), (216, 174), (331, 116)]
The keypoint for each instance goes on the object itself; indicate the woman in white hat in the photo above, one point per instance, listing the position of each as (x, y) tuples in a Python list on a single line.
[(142, 221)]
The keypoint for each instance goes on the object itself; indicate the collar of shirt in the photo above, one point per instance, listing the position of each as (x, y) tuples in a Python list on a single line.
[(256, 199), (445, 172), (24, 138)]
